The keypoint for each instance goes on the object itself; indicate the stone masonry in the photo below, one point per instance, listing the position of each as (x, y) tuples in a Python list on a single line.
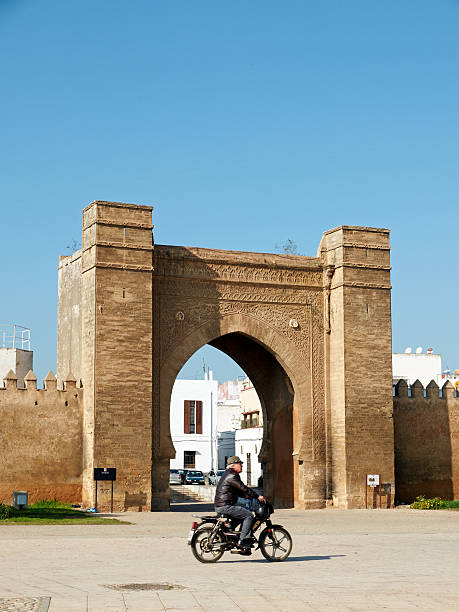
[(41, 439), (305, 329), (426, 432)]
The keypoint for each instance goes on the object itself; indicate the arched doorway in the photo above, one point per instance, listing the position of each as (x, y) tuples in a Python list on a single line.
[(276, 395), (243, 339)]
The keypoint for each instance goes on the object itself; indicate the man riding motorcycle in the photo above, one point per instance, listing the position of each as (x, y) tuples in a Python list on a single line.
[(229, 488)]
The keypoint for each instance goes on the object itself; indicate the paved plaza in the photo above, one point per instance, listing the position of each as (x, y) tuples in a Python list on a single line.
[(341, 560)]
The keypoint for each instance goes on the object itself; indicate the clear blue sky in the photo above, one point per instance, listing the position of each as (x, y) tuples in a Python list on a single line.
[(244, 124)]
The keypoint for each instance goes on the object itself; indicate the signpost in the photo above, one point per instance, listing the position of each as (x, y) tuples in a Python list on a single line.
[(105, 474), (373, 481)]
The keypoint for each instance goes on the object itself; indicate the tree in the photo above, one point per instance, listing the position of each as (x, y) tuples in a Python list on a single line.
[(288, 247), (75, 245)]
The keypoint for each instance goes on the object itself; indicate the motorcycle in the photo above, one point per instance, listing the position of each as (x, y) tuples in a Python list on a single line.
[(216, 534)]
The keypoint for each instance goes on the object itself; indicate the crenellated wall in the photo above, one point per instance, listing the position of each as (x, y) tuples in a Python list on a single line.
[(426, 441), (41, 439)]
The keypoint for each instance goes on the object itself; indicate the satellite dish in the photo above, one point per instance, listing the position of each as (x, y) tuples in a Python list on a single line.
[(419, 350), (408, 350)]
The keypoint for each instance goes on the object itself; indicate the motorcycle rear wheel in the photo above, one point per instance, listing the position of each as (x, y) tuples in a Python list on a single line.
[(204, 550), (277, 545)]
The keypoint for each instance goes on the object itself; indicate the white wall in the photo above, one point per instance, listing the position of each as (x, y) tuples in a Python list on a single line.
[(228, 420), (229, 415), (226, 447), (18, 360), (416, 366), (204, 444), (249, 441)]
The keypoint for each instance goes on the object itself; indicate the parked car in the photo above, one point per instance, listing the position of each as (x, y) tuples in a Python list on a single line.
[(214, 477), (209, 477), (177, 476), (194, 477)]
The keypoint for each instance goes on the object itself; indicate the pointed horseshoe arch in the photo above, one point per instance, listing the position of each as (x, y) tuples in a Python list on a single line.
[(269, 362)]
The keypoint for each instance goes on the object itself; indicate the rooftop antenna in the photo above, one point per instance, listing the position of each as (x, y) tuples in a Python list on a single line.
[(204, 368)]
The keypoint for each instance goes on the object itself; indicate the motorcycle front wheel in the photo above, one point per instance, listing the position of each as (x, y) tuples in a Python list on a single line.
[(276, 544), (205, 549)]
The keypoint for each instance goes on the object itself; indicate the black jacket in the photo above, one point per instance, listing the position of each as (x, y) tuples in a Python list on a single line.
[(229, 488)]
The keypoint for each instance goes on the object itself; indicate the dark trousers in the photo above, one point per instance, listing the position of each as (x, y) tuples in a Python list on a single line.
[(241, 514)]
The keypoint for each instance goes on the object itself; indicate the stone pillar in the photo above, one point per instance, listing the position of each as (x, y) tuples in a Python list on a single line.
[(116, 351), (360, 405)]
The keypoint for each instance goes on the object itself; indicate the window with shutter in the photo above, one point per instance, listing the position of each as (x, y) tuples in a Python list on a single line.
[(189, 459), (199, 417), (189, 416), (186, 416)]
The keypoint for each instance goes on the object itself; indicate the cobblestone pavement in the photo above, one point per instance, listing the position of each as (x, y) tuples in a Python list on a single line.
[(24, 604), (342, 560)]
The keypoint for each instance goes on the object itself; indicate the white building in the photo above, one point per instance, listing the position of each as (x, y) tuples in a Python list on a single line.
[(249, 437), (453, 378), (194, 424), (420, 366), (228, 419), (15, 353), (424, 367), (211, 422), (248, 445)]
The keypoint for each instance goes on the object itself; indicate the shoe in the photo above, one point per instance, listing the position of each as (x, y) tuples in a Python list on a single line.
[(245, 544)]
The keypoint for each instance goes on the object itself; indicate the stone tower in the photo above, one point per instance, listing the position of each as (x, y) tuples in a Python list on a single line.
[(359, 363), (111, 344)]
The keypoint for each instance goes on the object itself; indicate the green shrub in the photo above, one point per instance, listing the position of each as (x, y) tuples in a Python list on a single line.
[(425, 503), (6, 512), (452, 504), (49, 503)]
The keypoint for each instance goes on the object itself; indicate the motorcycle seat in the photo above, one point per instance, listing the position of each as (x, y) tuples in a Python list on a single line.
[(209, 516)]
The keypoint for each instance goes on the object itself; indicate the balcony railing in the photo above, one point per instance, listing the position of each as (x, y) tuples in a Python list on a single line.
[(15, 336)]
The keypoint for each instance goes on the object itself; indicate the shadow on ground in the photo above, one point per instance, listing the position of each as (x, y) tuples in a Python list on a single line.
[(290, 559), (194, 507)]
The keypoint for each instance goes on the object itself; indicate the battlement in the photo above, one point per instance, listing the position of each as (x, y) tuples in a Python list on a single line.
[(431, 391), (41, 442), (50, 384), (426, 440)]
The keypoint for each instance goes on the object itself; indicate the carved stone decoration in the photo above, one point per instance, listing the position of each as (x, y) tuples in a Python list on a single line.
[(286, 304)]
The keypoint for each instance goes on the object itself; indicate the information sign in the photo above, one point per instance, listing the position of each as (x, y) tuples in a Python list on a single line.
[(104, 473), (372, 480)]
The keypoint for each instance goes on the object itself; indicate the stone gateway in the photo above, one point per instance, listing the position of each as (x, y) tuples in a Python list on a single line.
[(306, 330), (312, 333)]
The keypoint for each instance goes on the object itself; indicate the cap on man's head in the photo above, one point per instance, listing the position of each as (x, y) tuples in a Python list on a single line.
[(232, 460)]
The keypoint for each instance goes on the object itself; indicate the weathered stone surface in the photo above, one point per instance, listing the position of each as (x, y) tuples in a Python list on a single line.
[(40, 441), (426, 436)]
